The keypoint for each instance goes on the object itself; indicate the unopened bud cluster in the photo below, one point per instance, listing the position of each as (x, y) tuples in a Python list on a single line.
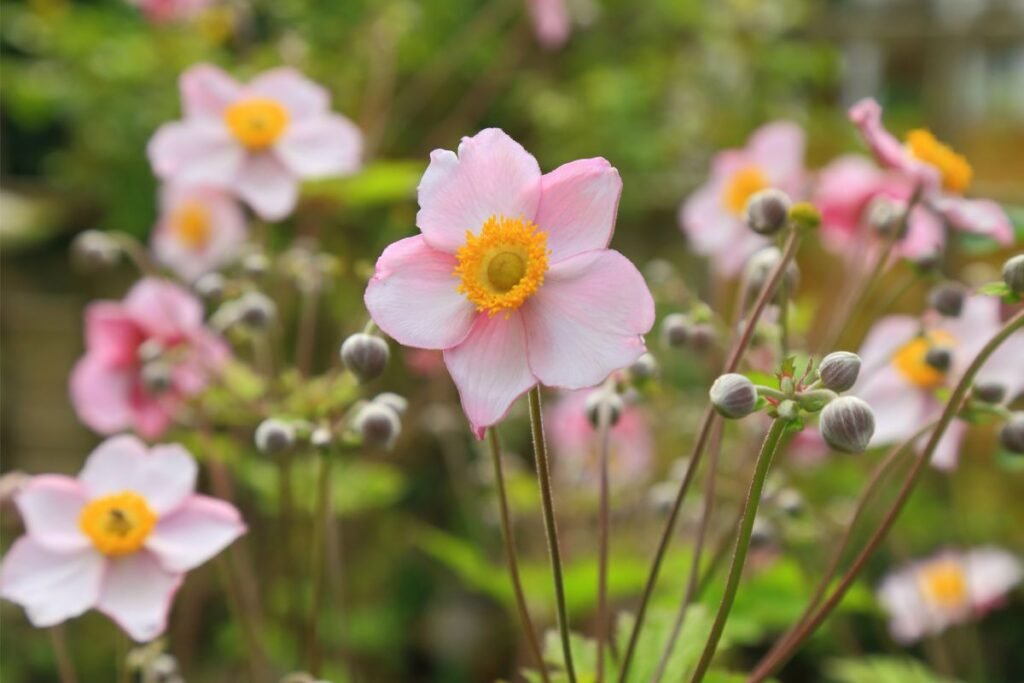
[(767, 211), (378, 422), (601, 402), (365, 356)]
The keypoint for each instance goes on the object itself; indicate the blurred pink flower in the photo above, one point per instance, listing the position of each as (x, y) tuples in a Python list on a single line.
[(119, 538), (424, 362), (712, 217), (257, 140), (511, 275), (163, 11), (949, 588), (200, 229), (108, 387), (574, 442), (552, 22), (943, 174), (899, 383)]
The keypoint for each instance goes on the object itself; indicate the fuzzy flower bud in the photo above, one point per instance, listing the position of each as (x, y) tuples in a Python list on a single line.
[(156, 377), (256, 310), (321, 438), (847, 424), (838, 370), (598, 400), (805, 216), (675, 329), (1011, 436), (948, 299), (702, 337), (887, 218), (644, 367), (274, 436), (939, 357), (733, 396), (209, 286), (1013, 274), (397, 403), (365, 356), (378, 425), (760, 266), (990, 392), (95, 250), (256, 264), (768, 211)]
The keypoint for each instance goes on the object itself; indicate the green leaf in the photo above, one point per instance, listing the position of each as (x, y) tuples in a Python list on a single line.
[(380, 183), (881, 670)]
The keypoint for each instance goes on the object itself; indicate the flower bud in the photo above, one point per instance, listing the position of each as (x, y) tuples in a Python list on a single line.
[(603, 399), (256, 310), (156, 377), (947, 299), (274, 436), (702, 337), (95, 250), (760, 266), (767, 211), (805, 216), (847, 424), (378, 425), (1011, 436), (790, 501), (675, 329), (321, 438), (939, 357), (209, 286), (886, 217), (256, 264), (644, 367), (397, 403), (838, 370), (733, 396), (763, 533), (990, 392), (365, 356), (149, 350), (1013, 274)]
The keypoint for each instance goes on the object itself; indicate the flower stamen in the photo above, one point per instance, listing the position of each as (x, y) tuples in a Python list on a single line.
[(911, 360), (118, 524), (944, 583), (742, 185), (191, 224), (256, 122), (955, 170)]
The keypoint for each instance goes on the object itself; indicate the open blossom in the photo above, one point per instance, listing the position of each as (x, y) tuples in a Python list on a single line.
[(162, 11), (200, 229), (899, 379), (143, 355), (119, 538), (257, 139), (575, 440), (551, 20), (713, 216), (928, 596), (942, 174), (511, 275)]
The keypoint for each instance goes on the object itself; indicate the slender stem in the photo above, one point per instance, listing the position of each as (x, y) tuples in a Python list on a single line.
[(739, 557), (136, 253), (121, 657), (231, 589), (603, 438), (305, 343), (540, 450), (65, 665), (710, 416), (806, 627), (512, 557), (316, 562)]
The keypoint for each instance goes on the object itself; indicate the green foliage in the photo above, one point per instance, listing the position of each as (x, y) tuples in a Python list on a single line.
[(881, 670)]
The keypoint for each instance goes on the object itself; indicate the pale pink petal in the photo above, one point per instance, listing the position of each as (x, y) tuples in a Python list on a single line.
[(51, 506), (714, 232), (207, 90), (227, 233), (490, 369), (164, 309), (321, 146), (900, 408), (844, 189), (991, 574), (925, 235), (778, 149), (884, 339), (52, 586), (551, 21), (195, 152), (267, 186), (978, 322), (1006, 368), (578, 204), (301, 96), (152, 415), (413, 296), (980, 216), (165, 475), (910, 618), (112, 337), (199, 529), (100, 395), (867, 116), (587, 320), (137, 594), (491, 176), (947, 451)]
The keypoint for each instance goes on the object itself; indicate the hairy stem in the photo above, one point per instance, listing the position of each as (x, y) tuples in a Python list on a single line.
[(316, 562)]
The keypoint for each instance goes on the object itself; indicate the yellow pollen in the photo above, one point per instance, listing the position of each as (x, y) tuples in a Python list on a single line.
[(910, 361), (117, 524), (743, 183), (943, 583), (955, 169), (257, 122), (504, 265), (191, 224)]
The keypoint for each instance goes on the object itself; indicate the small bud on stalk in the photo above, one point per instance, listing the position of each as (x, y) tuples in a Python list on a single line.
[(256, 310), (847, 424), (767, 211), (321, 438), (378, 425), (1013, 274), (990, 392), (256, 265), (760, 267), (948, 299), (607, 400), (95, 250), (886, 218), (210, 286), (1011, 436), (365, 356), (838, 370), (702, 337), (790, 501), (156, 377), (733, 396), (939, 357), (805, 216), (274, 436), (675, 329), (397, 403), (644, 367), (149, 350)]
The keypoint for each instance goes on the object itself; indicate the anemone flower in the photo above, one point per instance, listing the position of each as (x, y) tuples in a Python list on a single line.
[(199, 230)]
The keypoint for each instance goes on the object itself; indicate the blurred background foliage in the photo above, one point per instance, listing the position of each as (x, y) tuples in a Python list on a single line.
[(656, 87)]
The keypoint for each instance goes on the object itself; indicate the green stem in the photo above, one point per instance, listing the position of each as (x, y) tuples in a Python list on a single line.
[(121, 657), (316, 566), (305, 343), (739, 557), (806, 627), (512, 557), (65, 665), (603, 439), (540, 450)]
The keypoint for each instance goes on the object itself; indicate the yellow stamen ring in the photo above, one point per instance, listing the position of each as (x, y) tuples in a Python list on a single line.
[(256, 122), (192, 225), (743, 184), (944, 583), (910, 359), (118, 524), (955, 169)]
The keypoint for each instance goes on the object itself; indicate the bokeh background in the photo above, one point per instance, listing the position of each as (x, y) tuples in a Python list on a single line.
[(654, 86)]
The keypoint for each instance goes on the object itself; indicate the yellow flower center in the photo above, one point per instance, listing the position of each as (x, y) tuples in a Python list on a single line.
[(192, 225), (956, 171), (502, 266), (257, 122), (117, 524), (743, 183), (911, 359), (944, 583)]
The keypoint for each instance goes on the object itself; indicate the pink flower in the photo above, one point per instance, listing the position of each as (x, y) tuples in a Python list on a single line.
[(943, 174), (574, 440), (257, 140), (199, 230), (511, 275), (949, 588), (899, 383), (118, 539), (552, 23), (156, 330), (163, 11), (712, 217)]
